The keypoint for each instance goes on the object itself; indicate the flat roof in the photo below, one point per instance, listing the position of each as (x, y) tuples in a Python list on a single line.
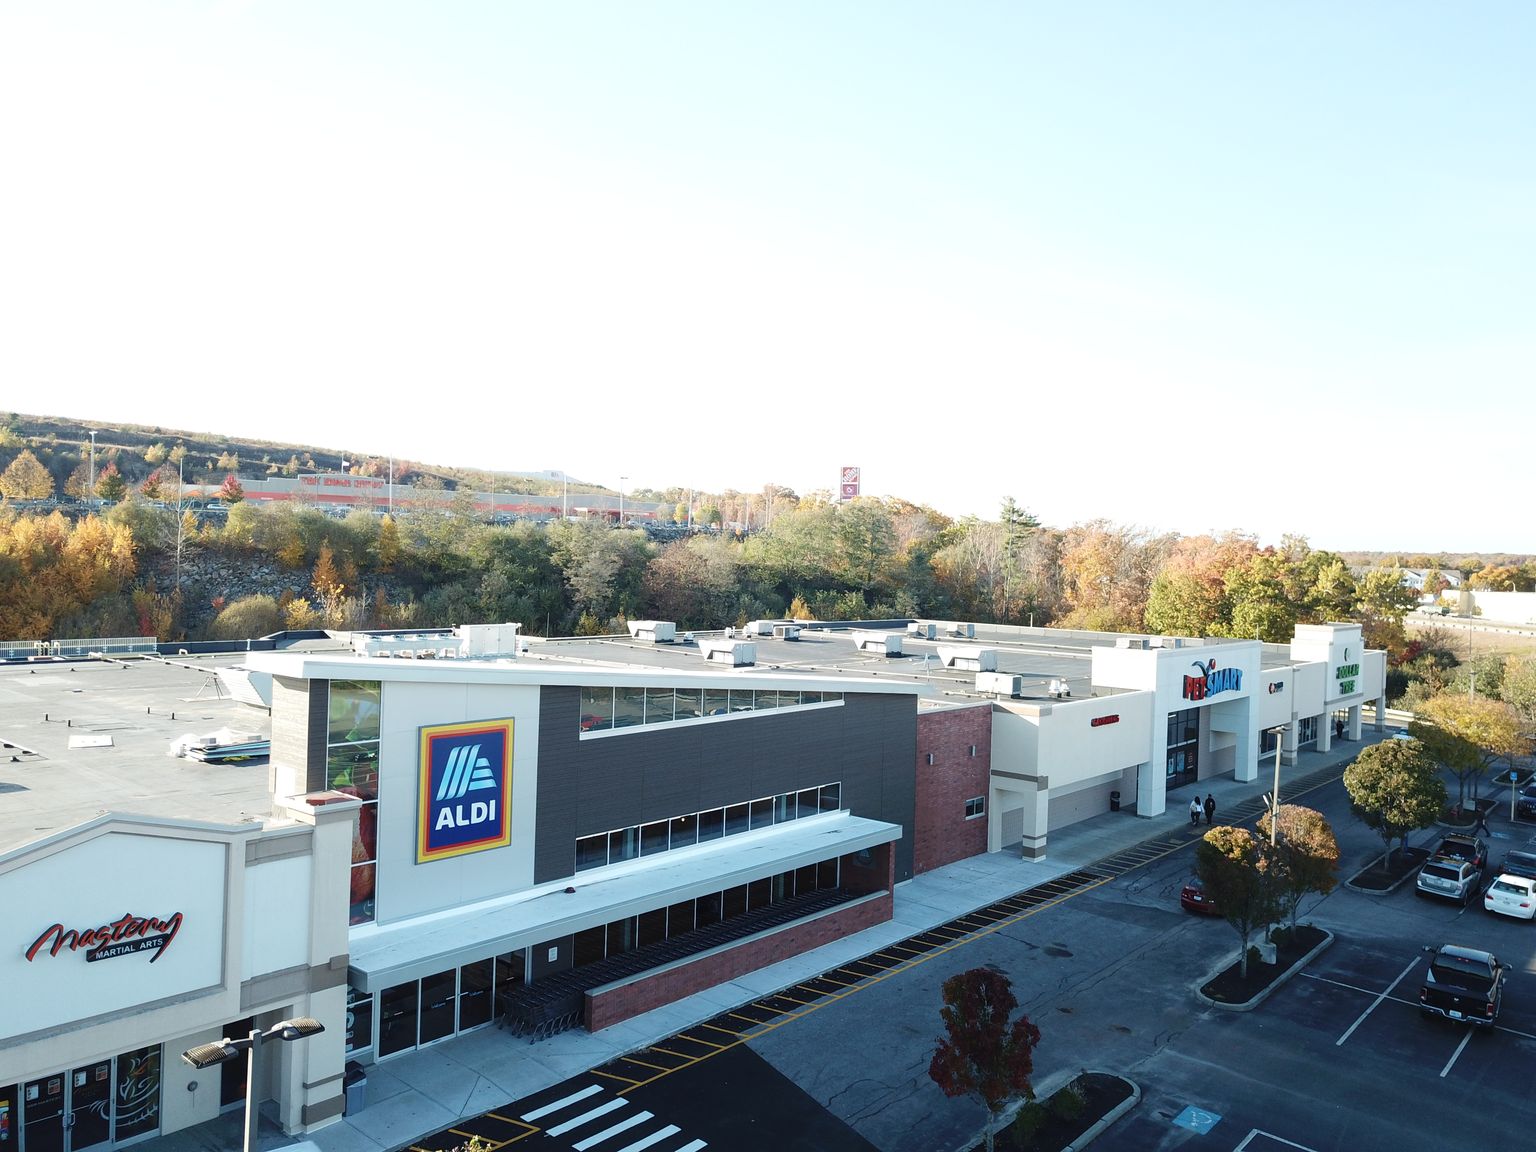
[(85, 737)]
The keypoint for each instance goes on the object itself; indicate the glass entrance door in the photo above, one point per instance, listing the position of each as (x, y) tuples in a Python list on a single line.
[(69, 1112), (43, 1129)]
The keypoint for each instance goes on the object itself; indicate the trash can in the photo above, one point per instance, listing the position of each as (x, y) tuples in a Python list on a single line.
[(355, 1086), (1114, 801)]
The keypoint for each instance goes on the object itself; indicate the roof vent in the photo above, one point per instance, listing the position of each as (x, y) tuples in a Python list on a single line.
[(656, 631)]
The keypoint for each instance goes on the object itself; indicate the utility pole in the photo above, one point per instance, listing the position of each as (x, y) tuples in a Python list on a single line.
[(90, 495)]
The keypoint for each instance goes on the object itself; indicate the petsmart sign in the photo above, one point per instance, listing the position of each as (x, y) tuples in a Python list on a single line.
[(464, 796)]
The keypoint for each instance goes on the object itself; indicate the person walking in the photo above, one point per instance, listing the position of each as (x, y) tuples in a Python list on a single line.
[(1482, 821), (1210, 808), (1194, 812)]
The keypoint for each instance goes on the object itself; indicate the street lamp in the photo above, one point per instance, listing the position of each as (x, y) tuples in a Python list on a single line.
[(1273, 799), (90, 495), (621, 500), (565, 493), (225, 1050)]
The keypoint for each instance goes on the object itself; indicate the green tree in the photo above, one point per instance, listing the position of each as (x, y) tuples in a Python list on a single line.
[(1305, 859), (1393, 788), (983, 1053), (110, 484), (1235, 869), (248, 617), (1468, 735), (26, 478)]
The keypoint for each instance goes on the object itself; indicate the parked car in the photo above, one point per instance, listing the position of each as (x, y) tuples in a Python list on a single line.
[(1512, 896), (1449, 877), (1525, 803), (1193, 898), (1463, 984), (1518, 864), (1472, 849)]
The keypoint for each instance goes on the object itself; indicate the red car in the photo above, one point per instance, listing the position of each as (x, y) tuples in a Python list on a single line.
[(1192, 896)]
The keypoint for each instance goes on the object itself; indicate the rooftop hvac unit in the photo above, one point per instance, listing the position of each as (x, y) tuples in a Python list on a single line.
[(737, 653), (1000, 684), (922, 631), (1138, 642), (786, 631), (656, 631), (969, 659), (887, 642), (968, 631)]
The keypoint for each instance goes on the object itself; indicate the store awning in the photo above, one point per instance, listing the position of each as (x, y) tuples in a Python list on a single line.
[(383, 957)]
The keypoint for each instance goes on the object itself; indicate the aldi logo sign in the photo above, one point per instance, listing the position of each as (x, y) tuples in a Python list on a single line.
[(464, 795)]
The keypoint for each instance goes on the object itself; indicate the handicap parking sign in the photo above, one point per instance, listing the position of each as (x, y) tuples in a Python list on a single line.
[(1197, 1119)]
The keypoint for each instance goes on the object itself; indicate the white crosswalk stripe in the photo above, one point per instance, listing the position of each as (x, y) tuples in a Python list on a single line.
[(621, 1126), (593, 1106)]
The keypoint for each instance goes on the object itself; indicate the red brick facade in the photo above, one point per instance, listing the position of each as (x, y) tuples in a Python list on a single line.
[(942, 833), (613, 1005)]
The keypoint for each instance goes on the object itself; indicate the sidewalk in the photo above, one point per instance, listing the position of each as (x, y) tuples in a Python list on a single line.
[(417, 1094)]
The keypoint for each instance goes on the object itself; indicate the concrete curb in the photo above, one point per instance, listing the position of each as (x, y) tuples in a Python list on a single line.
[(1109, 1117), (1250, 1005), (1353, 887)]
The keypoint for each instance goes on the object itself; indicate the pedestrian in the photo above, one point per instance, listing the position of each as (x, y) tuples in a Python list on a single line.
[(1338, 729), (1210, 808), (1194, 812), (1482, 821)]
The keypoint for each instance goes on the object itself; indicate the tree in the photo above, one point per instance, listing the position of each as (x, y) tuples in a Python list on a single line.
[(328, 584), (155, 454), (26, 478), (1468, 735), (110, 485), (1235, 868), (1306, 857), (230, 491), (1393, 788), (78, 484), (247, 617), (387, 549), (982, 1053)]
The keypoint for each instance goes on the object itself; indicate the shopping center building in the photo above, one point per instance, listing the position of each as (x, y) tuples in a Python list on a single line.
[(450, 831)]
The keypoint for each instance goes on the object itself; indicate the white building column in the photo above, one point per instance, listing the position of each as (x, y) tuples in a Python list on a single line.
[(1352, 725), (1325, 731), (1288, 743), (1152, 786)]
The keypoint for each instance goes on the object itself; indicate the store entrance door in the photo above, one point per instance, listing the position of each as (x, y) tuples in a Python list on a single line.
[(69, 1113)]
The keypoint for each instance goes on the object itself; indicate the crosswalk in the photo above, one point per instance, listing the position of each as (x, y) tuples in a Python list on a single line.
[(597, 1121)]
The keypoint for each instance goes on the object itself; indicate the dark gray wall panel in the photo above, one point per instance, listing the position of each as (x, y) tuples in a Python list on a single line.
[(585, 787)]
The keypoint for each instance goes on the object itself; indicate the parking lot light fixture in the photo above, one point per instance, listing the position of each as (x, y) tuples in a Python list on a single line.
[(1274, 797), (224, 1050)]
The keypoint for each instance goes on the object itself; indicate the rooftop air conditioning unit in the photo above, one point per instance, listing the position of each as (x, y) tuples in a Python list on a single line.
[(1000, 684)]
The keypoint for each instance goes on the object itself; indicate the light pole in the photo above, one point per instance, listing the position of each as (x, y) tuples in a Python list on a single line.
[(565, 494), (621, 500), (90, 494), (225, 1050), (1274, 797)]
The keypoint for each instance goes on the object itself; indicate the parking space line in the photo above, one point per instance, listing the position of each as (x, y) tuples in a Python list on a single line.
[(1270, 1136), (1456, 1053), (1361, 1019)]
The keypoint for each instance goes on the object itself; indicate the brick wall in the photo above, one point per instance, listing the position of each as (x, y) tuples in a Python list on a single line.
[(941, 832), (610, 1006)]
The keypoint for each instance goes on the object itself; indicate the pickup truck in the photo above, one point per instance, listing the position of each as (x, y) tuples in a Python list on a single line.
[(1463, 984)]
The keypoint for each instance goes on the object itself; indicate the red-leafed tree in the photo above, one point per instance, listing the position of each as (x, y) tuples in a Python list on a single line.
[(984, 1054), (231, 491)]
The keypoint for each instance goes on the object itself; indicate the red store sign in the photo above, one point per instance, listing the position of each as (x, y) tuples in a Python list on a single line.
[(1100, 721), (120, 938)]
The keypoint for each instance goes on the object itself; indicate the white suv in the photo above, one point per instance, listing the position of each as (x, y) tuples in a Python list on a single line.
[(1449, 877)]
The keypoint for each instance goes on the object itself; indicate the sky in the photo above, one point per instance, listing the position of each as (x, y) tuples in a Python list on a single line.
[(1182, 266)]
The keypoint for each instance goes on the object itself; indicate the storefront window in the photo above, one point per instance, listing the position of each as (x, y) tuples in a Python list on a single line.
[(138, 1093), (359, 1020), (352, 768)]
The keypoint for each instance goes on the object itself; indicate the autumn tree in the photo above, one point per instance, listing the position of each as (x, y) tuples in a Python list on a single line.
[(984, 1054), (25, 478), (1305, 858), (387, 548), (110, 485), (1393, 787), (1188, 597), (78, 484), (1468, 735), (1235, 869), (247, 617), (327, 582), (231, 491)]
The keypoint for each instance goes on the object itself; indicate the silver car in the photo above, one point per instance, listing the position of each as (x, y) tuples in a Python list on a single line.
[(1512, 896), (1450, 878)]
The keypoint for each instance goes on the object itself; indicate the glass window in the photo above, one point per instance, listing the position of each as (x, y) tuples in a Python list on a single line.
[(706, 910), (353, 769), (628, 707), (658, 705), (680, 919), (510, 970), (831, 797), (137, 1092), (652, 928), (826, 874), (591, 945), (359, 1020), (737, 819), (762, 701), (734, 901), (783, 887), (760, 893), (623, 845), (596, 709), (810, 697), (711, 824), (762, 813), (683, 831), (783, 807), (353, 711), (688, 703), (439, 999), (806, 804), (741, 699), (831, 697), (653, 838), (591, 852), (805, 880), (621, 936), (975, 806), (397, 1018)]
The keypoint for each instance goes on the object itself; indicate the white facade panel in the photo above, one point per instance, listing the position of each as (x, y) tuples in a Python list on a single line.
[(108, 925), (277, 927), (1086, 739), (406, 888), (1274, 697)]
